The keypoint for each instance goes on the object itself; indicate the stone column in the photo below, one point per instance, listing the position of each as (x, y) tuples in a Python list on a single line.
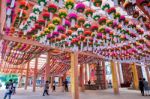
[(74, 75), (114, 77)]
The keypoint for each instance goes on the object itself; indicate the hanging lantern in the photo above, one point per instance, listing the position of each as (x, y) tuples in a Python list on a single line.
[(96, 16), (42, 2), (136, 14), (69, 5), (105, 6), (73, 18), (87, 25), (81, 21), (41, 22), (80, 7), (24, 5), (56, 21), (62, 14), (111, 11), (61, 29), (102, 21), (52, 8), (89, 12), (109, 23), (130, 8), (99, 35), (51, 27), (94, 28), (46, 16), (69, 32), (97, 3)]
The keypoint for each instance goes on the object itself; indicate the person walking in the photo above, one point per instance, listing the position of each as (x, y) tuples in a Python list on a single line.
[(46, 88), (66, 85), (54, 86), (9, 88), (146, 87), (14, 87), (141, 86)]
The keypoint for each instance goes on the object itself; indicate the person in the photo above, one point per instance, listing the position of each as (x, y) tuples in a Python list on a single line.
[(46, 88), (141, 86), (9, 88), (66, 85), (89, 82), (146, 87), (110, 84), (14, 87), (54, 86)]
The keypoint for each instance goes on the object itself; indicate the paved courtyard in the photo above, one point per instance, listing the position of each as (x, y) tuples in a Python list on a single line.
[(99, 94)]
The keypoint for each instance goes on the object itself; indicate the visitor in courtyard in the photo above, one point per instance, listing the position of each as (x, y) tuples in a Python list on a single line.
[(89, 82), (141, 86), (146, 87), (66, 85), (54, 86), (46, 88), (110, 84), (14, 87), (9, 88)]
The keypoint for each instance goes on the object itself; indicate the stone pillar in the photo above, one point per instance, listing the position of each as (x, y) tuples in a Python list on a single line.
[(114, 77), (27, 75), (74, 75), (82, 78), (135, 76), (35, 74)]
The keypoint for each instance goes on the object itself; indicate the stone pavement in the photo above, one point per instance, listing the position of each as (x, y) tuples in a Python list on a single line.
[(99, 94)]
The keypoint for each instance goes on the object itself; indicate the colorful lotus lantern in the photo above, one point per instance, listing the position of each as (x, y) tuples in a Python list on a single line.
[(87, 25), (42, 2), (122, 19), (67, 24), (142, 18), (41, 22), (97, 3), (62, 14), (51, 27), (102, 21), (56, 21), (81, 21), (109, 23), (94, 28), (52, 8), (46, 16), (111, 11), (61, 29), (136, 14), (24, 5), (99, 35), (89, 13), (96, 16), (80, 31), (80, 7), (87, 33), (69, 32), (69, 4), (105, 6), (73, 18), (130, 7)]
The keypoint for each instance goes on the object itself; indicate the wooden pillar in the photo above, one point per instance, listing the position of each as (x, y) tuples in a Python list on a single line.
[(20, 78), (52, 81), (74, 75), (60, 81), (27, 75), (135, 76), (35, 74), (47, 67), (104, 71), (118, 68), (114, 77), (147, 73), (86, 76), (81, 78)]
